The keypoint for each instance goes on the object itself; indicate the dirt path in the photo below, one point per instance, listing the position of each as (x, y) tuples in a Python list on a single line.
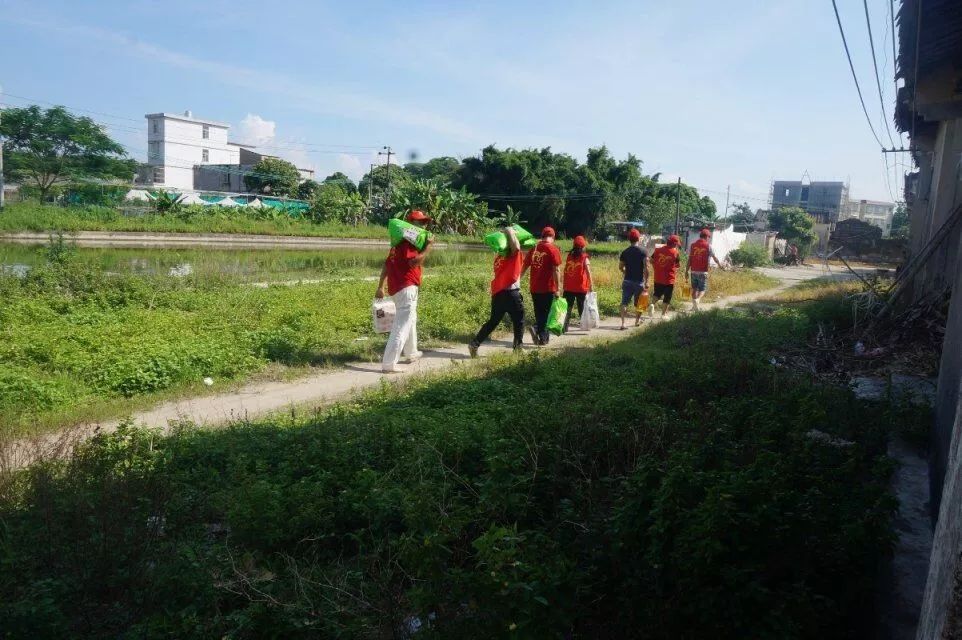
[(304, 394), (157, 240)]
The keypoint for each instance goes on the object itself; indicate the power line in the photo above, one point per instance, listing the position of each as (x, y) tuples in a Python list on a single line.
[(878, 80), (854, 76)]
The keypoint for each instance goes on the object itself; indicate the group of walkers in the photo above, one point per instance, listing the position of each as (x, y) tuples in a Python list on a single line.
[(550, 278)]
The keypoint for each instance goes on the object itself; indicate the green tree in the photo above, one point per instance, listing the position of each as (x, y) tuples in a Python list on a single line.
[(742, 215), (275, 177), (794, 225), (342, 181), (44, 147), (333, 203), (452, 210), (308, 189), (444, 169), (900, 222)]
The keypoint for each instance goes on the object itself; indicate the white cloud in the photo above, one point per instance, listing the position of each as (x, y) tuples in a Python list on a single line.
[(325, 100), (351, 166), (256, 130)]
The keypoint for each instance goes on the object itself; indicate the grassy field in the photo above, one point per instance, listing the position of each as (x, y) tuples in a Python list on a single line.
[(82, 337), (665, 482), (32, 216)]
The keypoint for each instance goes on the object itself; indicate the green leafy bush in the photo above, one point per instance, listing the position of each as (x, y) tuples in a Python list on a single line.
[(750, 255)]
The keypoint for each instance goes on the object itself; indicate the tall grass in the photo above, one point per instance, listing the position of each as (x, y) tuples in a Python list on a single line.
[(663, 485)]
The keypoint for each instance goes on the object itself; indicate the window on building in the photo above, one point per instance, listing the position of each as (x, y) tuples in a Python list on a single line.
[(153, 150), (804, 194), (205, 156), (225, 181), (205, 132), (154, 122), (159, 175), (788, 192)]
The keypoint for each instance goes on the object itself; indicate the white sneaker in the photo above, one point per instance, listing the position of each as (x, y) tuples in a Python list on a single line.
[(391, 370), (417, 355)]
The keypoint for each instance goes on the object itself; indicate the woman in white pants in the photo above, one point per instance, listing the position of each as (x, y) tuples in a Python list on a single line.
[(402, 273)]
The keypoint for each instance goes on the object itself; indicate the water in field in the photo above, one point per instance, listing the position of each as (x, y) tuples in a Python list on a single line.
[(244, 265)]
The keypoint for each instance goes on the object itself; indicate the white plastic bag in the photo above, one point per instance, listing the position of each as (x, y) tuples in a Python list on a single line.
[(383, 311), (591, 318)]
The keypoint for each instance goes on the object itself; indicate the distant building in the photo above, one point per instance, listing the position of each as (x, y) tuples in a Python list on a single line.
[(824, 201), (874, 212), (187, 153)]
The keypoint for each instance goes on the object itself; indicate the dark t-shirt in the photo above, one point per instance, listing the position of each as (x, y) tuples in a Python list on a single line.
[(634, 258)]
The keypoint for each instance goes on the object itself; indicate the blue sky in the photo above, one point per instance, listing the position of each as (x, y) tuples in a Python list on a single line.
[(719, 93)]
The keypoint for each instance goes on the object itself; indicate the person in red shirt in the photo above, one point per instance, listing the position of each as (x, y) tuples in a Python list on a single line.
[(402, 272), (577, 277), (544, 260), (505, 295), (665, 261), (698, 256)]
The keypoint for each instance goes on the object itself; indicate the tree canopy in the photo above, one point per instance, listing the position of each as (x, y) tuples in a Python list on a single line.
[(44, 147), (275, 177), (342, 181), (542, 187), (794, 225)]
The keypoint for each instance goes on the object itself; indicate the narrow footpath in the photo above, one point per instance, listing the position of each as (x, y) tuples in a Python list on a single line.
[(308, 393)]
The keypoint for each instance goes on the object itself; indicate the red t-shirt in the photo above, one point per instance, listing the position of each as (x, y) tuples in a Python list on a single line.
[(400, 273), (576, 273), (665, 261), (507, 271), (698, 255), (543, 259)]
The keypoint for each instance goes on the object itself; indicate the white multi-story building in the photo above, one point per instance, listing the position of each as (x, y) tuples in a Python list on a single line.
[(874, 212), (176, 144), (188, 153)]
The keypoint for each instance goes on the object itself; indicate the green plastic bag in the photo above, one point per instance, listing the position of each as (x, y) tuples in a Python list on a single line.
[(398, 230), (498, 242), (556, 317)]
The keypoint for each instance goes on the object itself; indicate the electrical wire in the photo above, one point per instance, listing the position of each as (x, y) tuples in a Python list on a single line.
[(851, 66), (878, 80)]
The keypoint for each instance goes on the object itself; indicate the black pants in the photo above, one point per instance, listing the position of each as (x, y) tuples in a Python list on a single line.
[(542, 307), (508, 302), (571, 298)]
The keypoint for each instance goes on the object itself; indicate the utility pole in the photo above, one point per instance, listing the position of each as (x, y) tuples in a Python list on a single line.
[(728, 194), (387, 194), (677, 204), (370, 184)]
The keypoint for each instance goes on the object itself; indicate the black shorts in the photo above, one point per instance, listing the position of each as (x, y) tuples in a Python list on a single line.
[(663, 291)]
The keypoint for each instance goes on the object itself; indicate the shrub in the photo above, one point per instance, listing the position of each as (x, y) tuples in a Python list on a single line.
[(750, 255)]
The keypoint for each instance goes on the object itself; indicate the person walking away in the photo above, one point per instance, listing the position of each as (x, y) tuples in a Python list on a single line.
[(665, 261), (505, 295), (698, 264), (402, 274), (793, 250), (544, 260), (633, 264), (577, 278)]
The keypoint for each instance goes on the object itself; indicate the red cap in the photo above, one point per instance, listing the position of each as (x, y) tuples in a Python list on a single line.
[(547, 232), (580, 242), (673, 241), (418, 216), (704, 233), (634, 235)]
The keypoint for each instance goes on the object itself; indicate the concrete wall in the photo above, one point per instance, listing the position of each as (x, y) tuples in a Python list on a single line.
[(947, 542)]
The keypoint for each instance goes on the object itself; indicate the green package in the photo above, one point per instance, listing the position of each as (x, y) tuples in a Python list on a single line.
[(398, 230), (498, 241), (556, 317)]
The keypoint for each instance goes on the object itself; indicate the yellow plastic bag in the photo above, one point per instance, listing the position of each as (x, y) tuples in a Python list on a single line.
[(643, 301), (686, 290)]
